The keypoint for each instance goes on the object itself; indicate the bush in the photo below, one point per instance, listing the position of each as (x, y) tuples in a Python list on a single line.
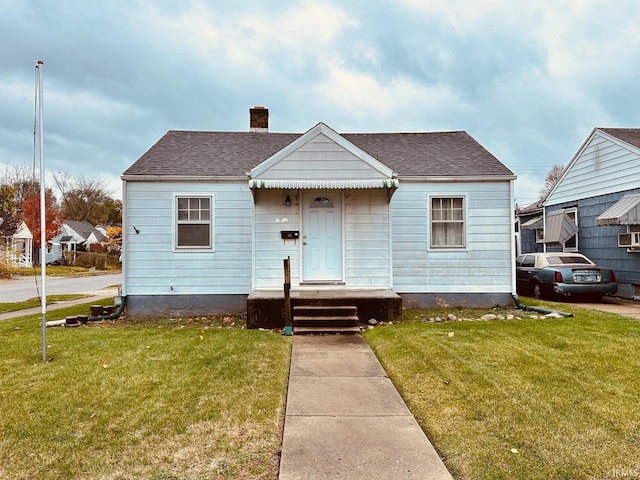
[(99, 261), (7, 268)]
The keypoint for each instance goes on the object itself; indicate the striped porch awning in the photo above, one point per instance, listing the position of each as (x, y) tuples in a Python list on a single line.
[(533, 223), (312, 184), (625, 211)]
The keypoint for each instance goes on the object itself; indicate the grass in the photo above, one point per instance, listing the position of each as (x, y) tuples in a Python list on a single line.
[(523, 398), (35, 302), (58, 270), (177, 399), (527, 398)]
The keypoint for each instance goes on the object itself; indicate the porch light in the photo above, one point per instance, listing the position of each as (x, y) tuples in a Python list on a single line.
[(287, 201)]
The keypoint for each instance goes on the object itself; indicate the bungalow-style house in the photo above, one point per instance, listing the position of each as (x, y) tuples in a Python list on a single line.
[(595, 206), (73, 233), (17, 246), (377, 220)]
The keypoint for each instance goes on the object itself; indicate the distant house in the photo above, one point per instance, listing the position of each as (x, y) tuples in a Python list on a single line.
[(210, 216), (529, 228), (595, 206), (17, 246), (73, 234)]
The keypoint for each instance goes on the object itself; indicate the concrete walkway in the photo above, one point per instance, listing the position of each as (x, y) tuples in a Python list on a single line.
[(345, 419)]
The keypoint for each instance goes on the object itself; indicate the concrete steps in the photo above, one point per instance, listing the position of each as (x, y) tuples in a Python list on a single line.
[(310, 319)]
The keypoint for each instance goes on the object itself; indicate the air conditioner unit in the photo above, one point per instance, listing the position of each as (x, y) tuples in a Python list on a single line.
[(629, 240)]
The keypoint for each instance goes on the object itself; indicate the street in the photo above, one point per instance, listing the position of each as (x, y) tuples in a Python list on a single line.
[(19, 289)]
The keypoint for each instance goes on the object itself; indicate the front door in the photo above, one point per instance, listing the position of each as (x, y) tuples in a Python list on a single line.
[(322, 237)]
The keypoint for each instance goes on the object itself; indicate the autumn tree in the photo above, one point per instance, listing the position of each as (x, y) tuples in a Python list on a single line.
[(551, 180), (30, 213), (87, 200), (114, 236)]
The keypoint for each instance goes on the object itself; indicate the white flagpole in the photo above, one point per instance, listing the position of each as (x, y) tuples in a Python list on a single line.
[(43, 223)]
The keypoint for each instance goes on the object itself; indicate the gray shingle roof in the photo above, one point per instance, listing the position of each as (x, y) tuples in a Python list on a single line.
[(629, 135), (232, 154)]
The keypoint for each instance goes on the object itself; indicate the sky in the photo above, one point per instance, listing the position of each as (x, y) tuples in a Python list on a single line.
[(529, 80)]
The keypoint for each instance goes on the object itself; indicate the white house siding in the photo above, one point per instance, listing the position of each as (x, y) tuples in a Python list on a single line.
[(271, 217), (154, 267), (483, 267), (366, 238), (604, 165), (367, 252)]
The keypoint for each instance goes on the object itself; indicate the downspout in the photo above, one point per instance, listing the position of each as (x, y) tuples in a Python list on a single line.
[(538, 309), (121, 302)]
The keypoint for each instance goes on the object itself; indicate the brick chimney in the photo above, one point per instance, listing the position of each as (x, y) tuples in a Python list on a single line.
[(259, 119)]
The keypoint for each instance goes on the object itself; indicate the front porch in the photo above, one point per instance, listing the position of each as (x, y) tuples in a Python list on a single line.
[(265, 308)]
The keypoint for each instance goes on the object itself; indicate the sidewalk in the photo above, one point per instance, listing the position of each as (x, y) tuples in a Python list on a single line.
[(106, 293), (344, 418)]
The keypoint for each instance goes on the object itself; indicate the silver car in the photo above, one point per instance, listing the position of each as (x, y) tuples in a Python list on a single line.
[(563, 274)]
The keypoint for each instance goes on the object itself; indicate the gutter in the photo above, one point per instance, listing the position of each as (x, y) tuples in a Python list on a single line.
[(538, 309)]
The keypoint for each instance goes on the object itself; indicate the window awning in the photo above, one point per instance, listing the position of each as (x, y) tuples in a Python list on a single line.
[(559, 227), (625, 211), (532, 224), (295, 184)]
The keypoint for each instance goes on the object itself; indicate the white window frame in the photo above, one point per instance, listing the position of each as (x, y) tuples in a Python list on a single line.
[(177, 221), (463, 221)]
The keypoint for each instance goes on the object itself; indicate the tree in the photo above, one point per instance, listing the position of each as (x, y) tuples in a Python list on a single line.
[(87, 200), (30, 213), (551, 180), (8, 210), (114, 242)]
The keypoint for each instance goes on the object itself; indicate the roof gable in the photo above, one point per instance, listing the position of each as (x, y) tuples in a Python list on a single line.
[(607, 162), (82, 231), (321, 153)]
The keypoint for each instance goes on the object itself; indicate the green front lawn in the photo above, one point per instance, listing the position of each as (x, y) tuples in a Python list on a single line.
[(205, 398), (199, 398), (522, 399)]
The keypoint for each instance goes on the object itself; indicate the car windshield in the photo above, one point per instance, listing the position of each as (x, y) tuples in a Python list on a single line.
[(567, 259)]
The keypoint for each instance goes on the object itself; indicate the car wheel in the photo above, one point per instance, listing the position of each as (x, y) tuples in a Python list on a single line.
[(536, 291)]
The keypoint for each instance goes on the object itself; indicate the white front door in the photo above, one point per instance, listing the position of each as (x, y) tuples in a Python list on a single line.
[(322, 237)]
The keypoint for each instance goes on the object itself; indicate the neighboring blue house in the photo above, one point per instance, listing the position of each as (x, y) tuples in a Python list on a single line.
[(209, 217), (595, 206)]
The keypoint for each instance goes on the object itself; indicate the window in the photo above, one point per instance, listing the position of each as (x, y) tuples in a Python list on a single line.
[(528, 261), (447, 222), (321, 202), (571, 245), (193, 226)]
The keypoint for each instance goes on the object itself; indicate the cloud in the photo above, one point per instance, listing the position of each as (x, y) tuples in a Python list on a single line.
[(529, 80)]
